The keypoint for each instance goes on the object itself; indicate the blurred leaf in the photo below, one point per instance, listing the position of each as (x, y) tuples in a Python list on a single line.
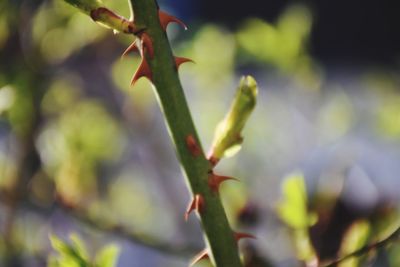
[(354, 239), (213, 49), (293, 211), (79, 246), (61, 95), (304, 247), (282, 44), (59, 31), (75, 254), (107, 256), (21, 112), (394, 254), (293, 208), (7, 98), (388, 116), (69, 255), (4, 30), (227, 137), (336, 117)]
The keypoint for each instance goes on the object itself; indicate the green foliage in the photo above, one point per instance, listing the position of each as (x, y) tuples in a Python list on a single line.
[(74, 254), (293, 211), (58, 24), (282, 44), (388, 116), (293, 208), (215, 63), (355, 238), (74, 144), (336, 117), (227, 137)]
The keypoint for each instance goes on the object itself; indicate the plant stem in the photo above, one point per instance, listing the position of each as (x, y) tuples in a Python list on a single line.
[(219, 236), (395, 236), (104, 16)]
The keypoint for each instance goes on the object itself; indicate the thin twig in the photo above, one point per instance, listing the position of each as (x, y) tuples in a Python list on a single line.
[(365, 249)]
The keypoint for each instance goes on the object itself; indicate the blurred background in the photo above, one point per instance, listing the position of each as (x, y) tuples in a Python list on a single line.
[(83, 153)]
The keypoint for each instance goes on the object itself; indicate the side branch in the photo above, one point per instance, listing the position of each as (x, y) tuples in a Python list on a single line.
[(103, 225), (367, 248), (105, 17)]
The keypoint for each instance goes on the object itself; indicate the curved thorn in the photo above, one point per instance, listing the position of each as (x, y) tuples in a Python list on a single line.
[(166, 19), (201, 256), (214, 181), (180, 60), (131, 48), (147, 44), (142, 71), (197, 204)]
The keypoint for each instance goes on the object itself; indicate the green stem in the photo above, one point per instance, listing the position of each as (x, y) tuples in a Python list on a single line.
[(219, 236), (221, 243)]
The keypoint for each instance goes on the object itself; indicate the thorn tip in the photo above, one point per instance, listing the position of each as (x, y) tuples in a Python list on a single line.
[(166, 19), (131, 48), (180, 60), (197, 204), (201, 256), (142, 71), (214, 181)]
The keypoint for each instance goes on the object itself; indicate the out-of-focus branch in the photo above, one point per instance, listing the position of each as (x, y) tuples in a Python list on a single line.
[(100, 225), (365, 249)]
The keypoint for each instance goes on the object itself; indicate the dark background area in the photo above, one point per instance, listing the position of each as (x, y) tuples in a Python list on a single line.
[(354, 32)]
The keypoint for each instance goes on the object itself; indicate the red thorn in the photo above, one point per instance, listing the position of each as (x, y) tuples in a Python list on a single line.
[(147, 44), (239, 236), (197, 204), (192, 145), (214, 181), (180, 60), (142, 71), (166, 19), (201, 256), (132, 48)]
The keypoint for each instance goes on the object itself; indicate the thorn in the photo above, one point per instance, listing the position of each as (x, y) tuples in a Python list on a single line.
[(214, 181), (148, 44), (180, 60), (239, 236), (142, 71), (197, 204), (192, 145), (132, 48), (166, 19), (201, 256)]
